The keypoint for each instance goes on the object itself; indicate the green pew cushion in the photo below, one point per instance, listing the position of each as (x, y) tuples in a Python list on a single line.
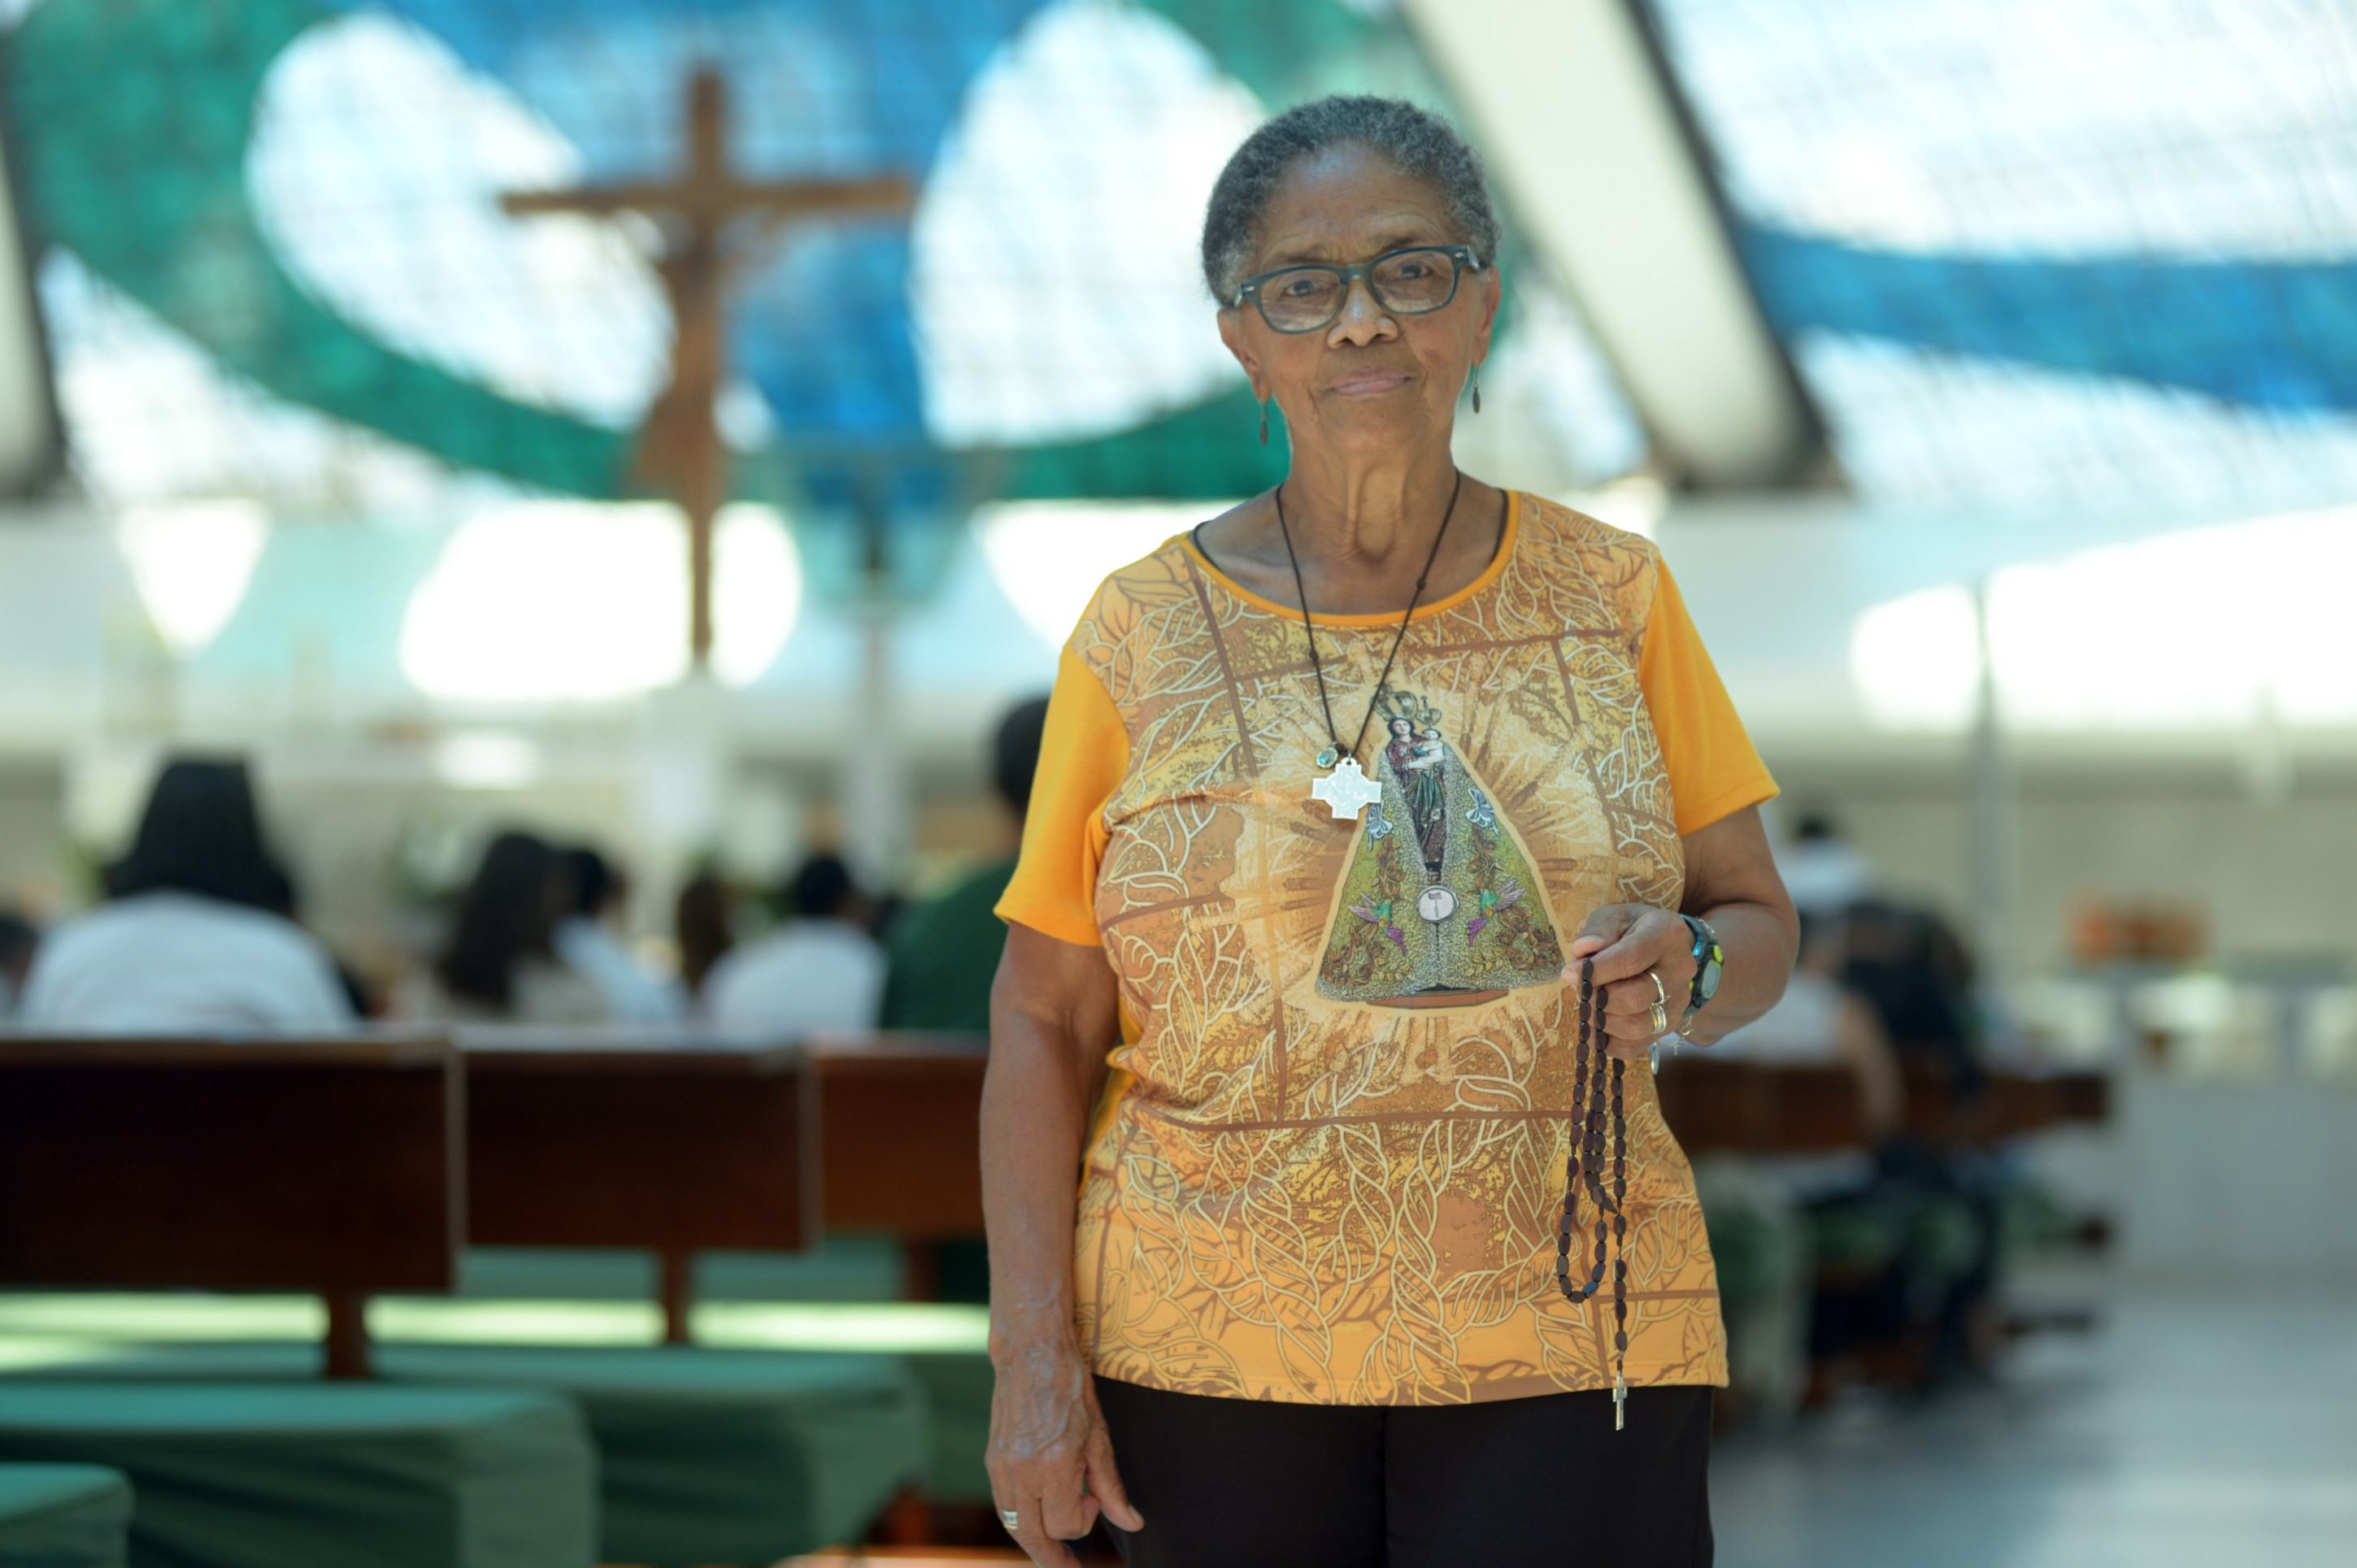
[(944, 1345), (63, 1515), (840, 1267), (266, 1475), (718, 1456), (704, 1455)]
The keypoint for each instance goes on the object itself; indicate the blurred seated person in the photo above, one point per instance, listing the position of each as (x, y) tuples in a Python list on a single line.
[(705, 923), (1915, 971), (589, 940), (943, 953), (193, 936), (1823, 873), (499, 964), (18, 939), (1911, 1257), (1758, 1207), (1820, 1022), (820, 970), (286, 900)]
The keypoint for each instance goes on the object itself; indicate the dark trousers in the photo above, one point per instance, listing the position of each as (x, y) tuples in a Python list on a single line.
[(1237, 1483)]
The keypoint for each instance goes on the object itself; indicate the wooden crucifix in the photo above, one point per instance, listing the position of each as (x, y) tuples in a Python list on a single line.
[(679, 449)]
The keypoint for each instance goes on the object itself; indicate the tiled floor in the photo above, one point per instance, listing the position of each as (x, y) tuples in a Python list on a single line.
[(2202, 1426)]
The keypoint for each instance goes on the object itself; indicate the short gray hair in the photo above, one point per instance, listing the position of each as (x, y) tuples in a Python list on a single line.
[(1417, 143)]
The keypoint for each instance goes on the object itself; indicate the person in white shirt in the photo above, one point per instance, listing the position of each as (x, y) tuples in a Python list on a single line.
[(823, 970), (499, 964), (587, 940), (1823, 874), (194, 937)]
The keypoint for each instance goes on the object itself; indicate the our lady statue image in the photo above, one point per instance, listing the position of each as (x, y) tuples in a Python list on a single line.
[(1416, 761), (1438, 907)]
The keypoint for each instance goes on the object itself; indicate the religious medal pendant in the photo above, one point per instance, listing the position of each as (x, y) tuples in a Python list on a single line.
[(1326, 757), (1620, 1401), (1347, 792)]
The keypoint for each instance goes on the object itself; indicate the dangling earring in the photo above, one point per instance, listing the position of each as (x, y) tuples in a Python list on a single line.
[(1477, 389), (1264, 421)]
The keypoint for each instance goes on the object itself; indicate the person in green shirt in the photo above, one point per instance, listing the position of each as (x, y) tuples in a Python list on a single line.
[(943, 953)]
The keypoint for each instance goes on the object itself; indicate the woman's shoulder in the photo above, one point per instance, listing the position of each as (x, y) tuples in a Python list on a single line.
[(1547, 524), (1614, 569), (1135, 599), (1159, 579)]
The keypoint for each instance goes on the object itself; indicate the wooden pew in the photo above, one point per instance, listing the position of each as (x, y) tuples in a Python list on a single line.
[(670, 1140), (684, 1140), (901, 1139), (681, 1140), (328, 1166), (899, 1117), (1739, 1106), (1716, 1105)]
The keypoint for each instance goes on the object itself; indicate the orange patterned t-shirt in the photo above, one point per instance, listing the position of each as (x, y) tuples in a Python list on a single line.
[(1329, 1157)]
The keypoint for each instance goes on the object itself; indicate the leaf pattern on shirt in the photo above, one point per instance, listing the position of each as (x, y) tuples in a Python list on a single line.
[(1305, 1198)]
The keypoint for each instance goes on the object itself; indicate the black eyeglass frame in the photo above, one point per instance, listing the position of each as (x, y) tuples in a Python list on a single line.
[(1461, 257)]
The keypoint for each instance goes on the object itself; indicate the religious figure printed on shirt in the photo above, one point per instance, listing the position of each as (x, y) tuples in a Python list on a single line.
[(1439, 905)]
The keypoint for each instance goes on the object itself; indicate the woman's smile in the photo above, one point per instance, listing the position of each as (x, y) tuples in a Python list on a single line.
[(1370, 380)]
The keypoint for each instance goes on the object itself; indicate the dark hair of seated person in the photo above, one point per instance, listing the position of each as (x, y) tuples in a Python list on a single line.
[(705, 927), (820, 888), (506, 916), (593, 879), (18, 938), (201, 835), (1015, 753)]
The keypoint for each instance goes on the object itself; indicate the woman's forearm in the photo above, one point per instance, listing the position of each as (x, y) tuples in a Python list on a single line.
[(1035, 1110), (1759, 941)]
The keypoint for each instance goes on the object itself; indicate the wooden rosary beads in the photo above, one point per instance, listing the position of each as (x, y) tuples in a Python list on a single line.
[(1586, 1164)]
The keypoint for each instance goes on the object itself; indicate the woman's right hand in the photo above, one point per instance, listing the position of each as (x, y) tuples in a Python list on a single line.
[(1050, 1459)]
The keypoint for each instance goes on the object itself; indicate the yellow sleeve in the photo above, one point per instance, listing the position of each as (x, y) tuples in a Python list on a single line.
[(1713, 771), (1083, 752)]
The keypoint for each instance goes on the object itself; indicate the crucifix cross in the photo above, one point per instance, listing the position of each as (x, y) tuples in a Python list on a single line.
[(1347, 790), (679, 449)]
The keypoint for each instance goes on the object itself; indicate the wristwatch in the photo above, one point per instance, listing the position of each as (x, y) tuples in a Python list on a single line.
[(1709, 958)]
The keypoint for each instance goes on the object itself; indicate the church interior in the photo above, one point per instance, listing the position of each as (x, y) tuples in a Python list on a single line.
[(587, 496)]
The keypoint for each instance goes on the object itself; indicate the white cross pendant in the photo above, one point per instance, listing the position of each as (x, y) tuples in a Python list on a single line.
[(1347, 792)]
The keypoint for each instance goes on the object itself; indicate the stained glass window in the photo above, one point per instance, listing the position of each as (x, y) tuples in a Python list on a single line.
[(2049, 252)]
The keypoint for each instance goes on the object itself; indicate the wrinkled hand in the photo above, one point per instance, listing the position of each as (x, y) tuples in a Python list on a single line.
[(1627, 940), (1050, 1459)]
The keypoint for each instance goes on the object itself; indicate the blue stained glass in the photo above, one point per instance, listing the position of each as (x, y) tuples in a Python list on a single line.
[(2048, 250)]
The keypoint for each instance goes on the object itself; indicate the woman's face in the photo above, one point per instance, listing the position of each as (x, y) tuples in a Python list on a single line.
[(1371, 381), (1402, 729)]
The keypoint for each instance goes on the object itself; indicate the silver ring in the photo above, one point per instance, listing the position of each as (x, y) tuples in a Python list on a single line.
[(1660, 1013), (1011, 1520)]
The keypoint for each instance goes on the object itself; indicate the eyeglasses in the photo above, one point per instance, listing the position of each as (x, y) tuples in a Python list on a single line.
[(1415, 281)]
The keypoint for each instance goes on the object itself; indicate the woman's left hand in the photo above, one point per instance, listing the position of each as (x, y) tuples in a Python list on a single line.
[(1627, 940)]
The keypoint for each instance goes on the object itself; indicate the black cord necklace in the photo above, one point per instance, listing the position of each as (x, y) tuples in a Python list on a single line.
[(1584, 1166), (1347, 790)]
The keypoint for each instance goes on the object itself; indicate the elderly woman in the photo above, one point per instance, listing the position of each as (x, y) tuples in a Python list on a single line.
[(1326, 1038)]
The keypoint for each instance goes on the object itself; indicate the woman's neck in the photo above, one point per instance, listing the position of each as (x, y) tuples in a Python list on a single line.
[(1368, 518), (1361, 533)]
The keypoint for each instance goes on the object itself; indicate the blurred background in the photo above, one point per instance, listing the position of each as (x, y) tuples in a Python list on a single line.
[(1986, 370)]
